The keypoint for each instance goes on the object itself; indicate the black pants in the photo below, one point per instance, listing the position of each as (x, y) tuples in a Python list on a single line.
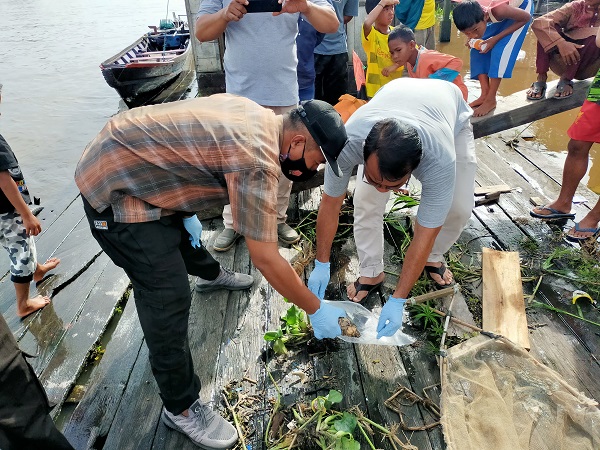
[(331, 80), (24, 420), (157, 258)]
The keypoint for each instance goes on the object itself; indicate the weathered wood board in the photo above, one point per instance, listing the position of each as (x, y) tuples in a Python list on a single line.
[(503, 304)]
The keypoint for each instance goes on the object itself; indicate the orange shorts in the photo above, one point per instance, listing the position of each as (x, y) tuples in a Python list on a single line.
[(587, 124)]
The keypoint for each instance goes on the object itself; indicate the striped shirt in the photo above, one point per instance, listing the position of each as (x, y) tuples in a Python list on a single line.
[(187, 156)]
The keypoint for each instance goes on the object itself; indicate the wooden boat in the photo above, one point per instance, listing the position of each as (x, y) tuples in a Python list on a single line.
[(149, 64)]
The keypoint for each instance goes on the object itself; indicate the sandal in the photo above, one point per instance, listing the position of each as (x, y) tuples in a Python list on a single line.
[(570, 237), (537, 91), (554, 214), (560, 88), (438, 271), (368, 288)]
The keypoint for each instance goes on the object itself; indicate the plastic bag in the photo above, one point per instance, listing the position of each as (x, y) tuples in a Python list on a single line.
[(366, 321)]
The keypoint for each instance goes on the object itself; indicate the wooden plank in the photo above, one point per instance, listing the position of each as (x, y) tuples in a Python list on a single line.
[(516, 110), (84, 331), (485, 190), (93, 416), (503, 305)]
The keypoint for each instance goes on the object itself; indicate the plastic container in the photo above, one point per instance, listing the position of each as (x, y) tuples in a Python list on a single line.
[(477, 44), (366, 321)]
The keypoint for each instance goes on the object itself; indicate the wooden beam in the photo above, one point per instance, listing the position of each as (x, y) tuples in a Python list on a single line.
[(503, 304), (516, 110), (485, 190)]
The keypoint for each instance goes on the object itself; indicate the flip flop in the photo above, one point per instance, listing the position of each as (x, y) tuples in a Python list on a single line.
[(554, 214), (539, 88), (594, 231), (438, 271), (368, 288), (560, 87)]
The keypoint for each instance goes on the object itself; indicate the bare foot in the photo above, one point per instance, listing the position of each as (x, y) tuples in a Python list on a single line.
[(42, 269), (445, 279), (585, 229), (485, 108), (360, 295), (477, 102), (32, 305)]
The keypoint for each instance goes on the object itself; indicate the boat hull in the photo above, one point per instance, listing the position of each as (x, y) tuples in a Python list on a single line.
[(132, 76)]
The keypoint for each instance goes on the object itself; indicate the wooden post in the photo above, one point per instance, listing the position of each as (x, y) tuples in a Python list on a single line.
[(446, 25)]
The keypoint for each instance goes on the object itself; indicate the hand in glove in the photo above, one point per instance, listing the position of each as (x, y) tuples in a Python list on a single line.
[(325, 321), (194, 227), (390, 319), (319, 279)]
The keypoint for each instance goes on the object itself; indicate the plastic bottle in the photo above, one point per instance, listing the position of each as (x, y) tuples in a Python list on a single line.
[(477, 44)]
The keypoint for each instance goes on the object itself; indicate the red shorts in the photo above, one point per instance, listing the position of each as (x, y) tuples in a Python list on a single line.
[(587, 124)]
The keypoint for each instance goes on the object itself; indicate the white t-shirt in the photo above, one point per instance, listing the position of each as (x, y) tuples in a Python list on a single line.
[(260, 55), (438, 111)]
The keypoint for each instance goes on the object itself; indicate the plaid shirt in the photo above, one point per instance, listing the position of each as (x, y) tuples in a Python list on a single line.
[(187, 156)]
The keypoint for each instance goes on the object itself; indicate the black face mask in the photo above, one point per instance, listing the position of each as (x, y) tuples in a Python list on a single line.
[(288, 166)]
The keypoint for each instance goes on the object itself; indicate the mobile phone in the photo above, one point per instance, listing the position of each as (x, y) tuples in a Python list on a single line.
[(257, 6)]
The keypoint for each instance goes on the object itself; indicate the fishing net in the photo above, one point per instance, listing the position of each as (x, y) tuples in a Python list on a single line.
[(496, 396)]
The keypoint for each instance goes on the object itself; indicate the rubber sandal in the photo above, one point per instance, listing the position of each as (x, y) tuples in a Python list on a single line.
[(560, 87), (438, 271), (368, 288), (539, 88), (554, 214), (594, 231)]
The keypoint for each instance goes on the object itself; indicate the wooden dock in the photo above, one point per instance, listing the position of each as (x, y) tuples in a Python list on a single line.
[(93, 315)]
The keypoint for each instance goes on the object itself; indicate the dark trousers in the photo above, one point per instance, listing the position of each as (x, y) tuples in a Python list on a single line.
[(331, 80), (25, 423), (157, 258), (588, 54)]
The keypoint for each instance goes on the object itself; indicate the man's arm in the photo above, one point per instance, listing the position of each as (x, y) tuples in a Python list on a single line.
[(416, 256), (9, 187), (327, 224), (323, 18), (211, 26), (278, 272)]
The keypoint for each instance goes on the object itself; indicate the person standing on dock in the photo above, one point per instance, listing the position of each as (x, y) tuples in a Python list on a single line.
[(18, 226), (260, 64), (583, 133), (411, 127), (151, 166), (502, 24)]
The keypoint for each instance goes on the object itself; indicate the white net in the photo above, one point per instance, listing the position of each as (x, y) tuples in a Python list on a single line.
[(496, 396)]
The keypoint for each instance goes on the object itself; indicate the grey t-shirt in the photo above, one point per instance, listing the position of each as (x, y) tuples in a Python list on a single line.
[(260, 57), (335, 43), (438, 111)]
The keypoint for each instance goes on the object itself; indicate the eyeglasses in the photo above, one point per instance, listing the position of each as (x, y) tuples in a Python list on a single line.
[(384, 187)]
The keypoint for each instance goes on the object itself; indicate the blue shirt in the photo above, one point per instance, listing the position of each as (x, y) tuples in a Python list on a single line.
[(335, 43)]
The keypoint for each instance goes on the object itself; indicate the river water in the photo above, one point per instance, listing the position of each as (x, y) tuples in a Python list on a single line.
[(55, 99)]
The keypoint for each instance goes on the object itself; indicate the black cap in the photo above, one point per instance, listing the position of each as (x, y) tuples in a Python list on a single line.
[(327, 129)]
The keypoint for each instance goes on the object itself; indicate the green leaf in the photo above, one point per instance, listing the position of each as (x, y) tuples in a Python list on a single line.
[(334, 396), (347, 443), (273, 335), (347, 423)]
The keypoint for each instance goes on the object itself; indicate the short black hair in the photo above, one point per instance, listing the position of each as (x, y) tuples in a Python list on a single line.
[(401, 33), (397, 146), (370, 5), (466, 14)]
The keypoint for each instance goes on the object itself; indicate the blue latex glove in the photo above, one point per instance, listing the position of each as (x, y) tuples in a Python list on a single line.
[(319, 279), (194, 227), (325, 321), (390, 319)]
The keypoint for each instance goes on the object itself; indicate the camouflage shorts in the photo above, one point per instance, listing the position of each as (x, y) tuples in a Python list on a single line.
[(20, 247)]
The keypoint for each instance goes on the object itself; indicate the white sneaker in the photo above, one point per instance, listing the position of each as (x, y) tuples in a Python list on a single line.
[(227, 279), (206, 429)]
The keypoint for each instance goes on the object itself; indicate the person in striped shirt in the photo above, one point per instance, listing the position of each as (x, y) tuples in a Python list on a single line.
[(142, 180)]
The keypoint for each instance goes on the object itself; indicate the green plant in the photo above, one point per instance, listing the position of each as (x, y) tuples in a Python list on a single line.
[(294, 330)]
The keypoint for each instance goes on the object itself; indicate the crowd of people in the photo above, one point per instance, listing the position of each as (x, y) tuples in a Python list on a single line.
[(277, 124)]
